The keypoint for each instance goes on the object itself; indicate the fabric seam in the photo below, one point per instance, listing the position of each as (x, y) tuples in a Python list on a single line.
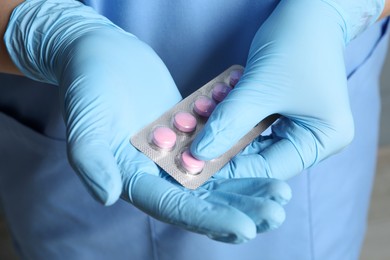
[(153, 240), (310, 216)]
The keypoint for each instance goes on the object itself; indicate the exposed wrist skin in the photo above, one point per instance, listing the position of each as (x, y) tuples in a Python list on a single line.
[(6, 65), (386, 10)]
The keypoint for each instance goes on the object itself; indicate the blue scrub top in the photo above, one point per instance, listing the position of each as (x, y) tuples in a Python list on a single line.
[(197, 39)]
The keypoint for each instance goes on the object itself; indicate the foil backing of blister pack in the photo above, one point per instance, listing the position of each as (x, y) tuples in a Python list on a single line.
[(169, 160)]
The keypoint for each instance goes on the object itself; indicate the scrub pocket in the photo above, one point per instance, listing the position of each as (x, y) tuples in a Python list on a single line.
[(49, 211)]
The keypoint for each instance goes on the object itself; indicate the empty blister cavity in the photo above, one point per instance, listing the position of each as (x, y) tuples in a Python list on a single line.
[(184, 122), (189, 163), (234, 77), (163, 137), (204, 106), (220, 91)]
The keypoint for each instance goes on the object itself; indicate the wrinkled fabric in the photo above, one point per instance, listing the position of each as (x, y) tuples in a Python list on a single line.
[(358, 15)]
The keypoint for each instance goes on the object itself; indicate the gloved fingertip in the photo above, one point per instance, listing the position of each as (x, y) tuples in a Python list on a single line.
[(106, 189), (204, 147), (235, 238), (199, 146), (245, 235), (273, 216), (98, 170), (279, 218), (110, 196), (280, 192), (240, 232)]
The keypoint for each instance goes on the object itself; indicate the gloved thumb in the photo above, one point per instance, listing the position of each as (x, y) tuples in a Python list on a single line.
[(95, 164), (236, 115)]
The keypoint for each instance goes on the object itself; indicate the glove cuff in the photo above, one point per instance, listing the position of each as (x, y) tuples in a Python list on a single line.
[(40, 31), (357, 14)]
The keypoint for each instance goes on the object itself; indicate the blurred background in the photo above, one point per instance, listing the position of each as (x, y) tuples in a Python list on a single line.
[(377, 245), (378, 234)]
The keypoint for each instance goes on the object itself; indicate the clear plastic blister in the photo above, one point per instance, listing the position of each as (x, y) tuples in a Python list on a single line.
[(167, 140)]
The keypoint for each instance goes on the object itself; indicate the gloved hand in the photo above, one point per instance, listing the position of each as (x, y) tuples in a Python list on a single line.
[(111, 85), (296, 69)]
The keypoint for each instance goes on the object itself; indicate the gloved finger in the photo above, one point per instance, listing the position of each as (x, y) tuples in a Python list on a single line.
[(245, 157), (176, 205), (264, 188), (95, 164), (244, 107), (239, 160), (245, 166), (132, 162), (239, 165), (295, 150), (266, 214), (259, 144)]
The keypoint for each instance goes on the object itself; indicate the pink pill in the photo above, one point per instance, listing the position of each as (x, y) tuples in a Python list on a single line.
[(190, 164), (164, 137), (204, 106), (220, 91), (234, 77), (184, 122)]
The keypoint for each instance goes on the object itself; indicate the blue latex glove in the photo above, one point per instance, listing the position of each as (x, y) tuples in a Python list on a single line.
[(295, 68), (111, 85)]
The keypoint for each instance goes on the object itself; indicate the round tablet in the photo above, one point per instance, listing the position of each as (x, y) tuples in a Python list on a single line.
[(234, 77), (190, 164), (204, 106), (184, 122), (164, 137), (220, 91)]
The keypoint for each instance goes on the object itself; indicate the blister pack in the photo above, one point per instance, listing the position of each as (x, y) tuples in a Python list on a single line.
[(167, 140)]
